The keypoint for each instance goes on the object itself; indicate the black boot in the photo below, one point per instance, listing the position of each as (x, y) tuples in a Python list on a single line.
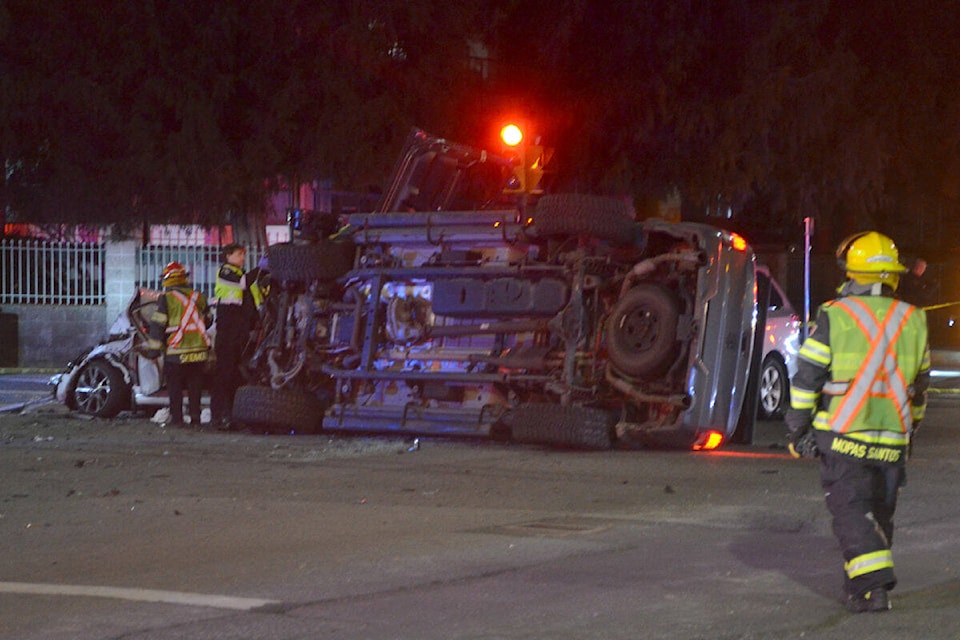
[(873, 601)]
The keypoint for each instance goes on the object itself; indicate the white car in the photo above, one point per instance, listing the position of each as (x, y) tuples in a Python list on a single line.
[(115, 376), (781, 342)]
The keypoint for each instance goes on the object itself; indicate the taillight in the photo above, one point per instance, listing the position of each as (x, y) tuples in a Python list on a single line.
[(708, 440), (738, 242)]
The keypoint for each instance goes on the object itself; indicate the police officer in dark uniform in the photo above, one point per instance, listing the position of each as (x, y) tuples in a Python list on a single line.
[(236, 318), (857, 398)]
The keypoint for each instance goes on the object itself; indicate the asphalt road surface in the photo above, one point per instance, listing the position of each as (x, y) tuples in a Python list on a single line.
[(121, 529)]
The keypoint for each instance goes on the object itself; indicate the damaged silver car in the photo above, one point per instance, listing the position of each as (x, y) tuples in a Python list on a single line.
[(114, 375)]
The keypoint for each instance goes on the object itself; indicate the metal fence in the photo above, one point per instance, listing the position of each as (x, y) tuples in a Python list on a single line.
[(44, 272), (73, 273), (201, 262)]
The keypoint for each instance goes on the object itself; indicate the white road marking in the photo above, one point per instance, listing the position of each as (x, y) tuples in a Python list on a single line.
[(141, 595)]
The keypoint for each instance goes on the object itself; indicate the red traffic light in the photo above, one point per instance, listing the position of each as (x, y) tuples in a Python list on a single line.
[(511, 135)]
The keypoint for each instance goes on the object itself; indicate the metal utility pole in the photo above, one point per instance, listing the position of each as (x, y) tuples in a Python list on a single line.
[(807, 235)]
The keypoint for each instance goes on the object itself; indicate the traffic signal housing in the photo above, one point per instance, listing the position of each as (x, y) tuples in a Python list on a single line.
[(527, 161)]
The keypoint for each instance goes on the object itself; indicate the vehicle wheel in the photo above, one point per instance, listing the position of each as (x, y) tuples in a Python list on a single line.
[(575, 214), (100, 390), (277, 411), (774, 388), (304, 263), (642, 331), (564, 426)]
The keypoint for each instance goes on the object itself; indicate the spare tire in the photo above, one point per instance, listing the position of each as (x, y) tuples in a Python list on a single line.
[(565, 426), (577, 214), (642, 331), (278, 411), (306, 263)]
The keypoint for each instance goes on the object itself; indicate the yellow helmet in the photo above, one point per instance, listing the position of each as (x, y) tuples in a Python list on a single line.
[(869, 257)]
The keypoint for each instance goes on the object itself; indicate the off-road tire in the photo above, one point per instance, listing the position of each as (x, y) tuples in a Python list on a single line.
[(306, 263), (100, 390), (277, 411), (641, 334), (563, 426), (575, 214)]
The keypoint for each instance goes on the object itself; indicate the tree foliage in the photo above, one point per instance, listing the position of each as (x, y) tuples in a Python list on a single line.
[(168, 110), (777, 110)]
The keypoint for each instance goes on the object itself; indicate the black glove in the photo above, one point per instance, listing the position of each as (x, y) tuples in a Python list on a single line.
[(152, 354), (803, 444)]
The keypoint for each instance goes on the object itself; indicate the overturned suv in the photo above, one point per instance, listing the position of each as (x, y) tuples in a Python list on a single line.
[(564, 323)]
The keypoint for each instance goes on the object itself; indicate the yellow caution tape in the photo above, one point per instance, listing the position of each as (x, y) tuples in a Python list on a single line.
[(941, 306)]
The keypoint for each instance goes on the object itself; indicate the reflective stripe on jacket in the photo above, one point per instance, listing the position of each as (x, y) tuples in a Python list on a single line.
[(180, 319), (230, 285), (876, 348)]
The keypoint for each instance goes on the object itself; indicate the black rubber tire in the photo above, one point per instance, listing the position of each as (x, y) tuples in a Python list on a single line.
[(100, 390), (305, 263), (564, 426), (277, 411), (576, 214), (642, 331), (774, 388)]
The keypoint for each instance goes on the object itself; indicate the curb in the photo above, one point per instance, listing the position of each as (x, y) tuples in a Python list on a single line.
[(4, 371)]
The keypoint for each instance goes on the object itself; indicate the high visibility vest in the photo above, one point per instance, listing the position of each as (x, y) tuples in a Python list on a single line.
[(877, 347), (186, 332), (230, 285), (259, 286)]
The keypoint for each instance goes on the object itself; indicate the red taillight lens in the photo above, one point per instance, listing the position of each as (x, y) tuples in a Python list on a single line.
[(708, 440), (738, 242)]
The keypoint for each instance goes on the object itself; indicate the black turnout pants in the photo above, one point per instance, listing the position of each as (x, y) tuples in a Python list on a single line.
[(233, 331), (182, 376), (862, 499)]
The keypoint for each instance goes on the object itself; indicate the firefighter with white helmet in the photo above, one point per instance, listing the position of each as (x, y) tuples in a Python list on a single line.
[(856, 400), (178, 329)]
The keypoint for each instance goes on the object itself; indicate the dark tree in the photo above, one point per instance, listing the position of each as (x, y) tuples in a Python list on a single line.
[(773, 110), (175, 111)]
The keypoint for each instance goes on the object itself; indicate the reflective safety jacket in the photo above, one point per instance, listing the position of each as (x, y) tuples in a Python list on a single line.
[(259, 285), (230, 285), (236, 302), (864, 372), (179, 325)]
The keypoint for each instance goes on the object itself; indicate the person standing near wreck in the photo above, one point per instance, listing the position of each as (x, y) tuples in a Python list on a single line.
[(857, 399), (178, 330), (236, 318)]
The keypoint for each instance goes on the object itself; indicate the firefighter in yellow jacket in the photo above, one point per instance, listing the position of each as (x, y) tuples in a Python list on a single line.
[(178, 329), (857, 398)]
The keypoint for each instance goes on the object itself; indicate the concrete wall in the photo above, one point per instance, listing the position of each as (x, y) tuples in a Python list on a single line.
[(49, 335)]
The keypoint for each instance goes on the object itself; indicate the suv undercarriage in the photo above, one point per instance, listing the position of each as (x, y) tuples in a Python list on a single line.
[(567, 322)]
